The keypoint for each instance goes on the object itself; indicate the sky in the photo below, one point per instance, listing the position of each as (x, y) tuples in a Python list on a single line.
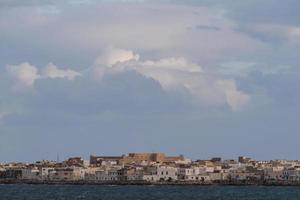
[(202, 78)]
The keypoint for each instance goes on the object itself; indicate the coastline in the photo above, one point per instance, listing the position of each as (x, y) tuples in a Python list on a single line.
[(142, 183)]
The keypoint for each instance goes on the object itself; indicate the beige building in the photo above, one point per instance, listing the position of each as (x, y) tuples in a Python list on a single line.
[(134, 158), (274, 173)]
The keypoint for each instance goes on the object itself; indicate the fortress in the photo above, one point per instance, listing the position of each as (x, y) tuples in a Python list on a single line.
[(135, 158)]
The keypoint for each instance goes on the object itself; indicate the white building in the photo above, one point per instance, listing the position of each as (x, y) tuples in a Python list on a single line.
[(45, 171), (193, 174), (160, 173)]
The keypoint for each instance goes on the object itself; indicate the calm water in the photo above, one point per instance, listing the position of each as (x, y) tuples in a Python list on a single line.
[(24, 192)]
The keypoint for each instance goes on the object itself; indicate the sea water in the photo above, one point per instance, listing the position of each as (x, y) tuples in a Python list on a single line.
[(74, 192)]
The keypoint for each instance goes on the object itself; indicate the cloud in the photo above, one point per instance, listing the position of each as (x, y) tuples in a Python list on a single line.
[(255, 11), (26, 74), (198, 58), (17, 3), (80, 2), (175, 74), (49, 10), (235, 98), (243, 69), (274, 32), (51, 71), (153, 29), (172, 73), (293, 33), (205, 27), (110, 57)]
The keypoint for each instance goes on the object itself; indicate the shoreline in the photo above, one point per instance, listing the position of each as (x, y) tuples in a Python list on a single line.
[(130, 183)]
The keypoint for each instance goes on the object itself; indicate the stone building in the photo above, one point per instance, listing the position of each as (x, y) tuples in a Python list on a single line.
[(134, 158)]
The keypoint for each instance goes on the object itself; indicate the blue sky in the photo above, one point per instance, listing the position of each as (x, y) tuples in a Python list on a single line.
[(200, 78)]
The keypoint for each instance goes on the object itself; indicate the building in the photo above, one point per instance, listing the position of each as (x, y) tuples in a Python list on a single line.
[(274, 173), (134, 174), (193, 174), (219, 176), (160, 173), (67, 174), (105, 160), (108, 175), (75, 161), (243, 159), (45, 172), (11, 174), (31, 174), (134, 158), (292, 174)]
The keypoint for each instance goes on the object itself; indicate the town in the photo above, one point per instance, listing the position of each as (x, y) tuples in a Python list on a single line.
[(153, 168)]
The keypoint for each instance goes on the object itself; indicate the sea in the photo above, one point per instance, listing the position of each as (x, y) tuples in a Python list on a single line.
[(88, 192)]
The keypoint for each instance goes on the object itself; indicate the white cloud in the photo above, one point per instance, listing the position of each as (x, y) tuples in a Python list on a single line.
[(176, 74), (169, 72), (113, 56), (235, 98), (25, 74), (51, 71), (180, 64), (173, 73)]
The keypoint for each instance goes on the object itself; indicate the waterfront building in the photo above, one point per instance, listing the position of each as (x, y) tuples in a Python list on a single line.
[(45, 172), (160, 173), (154, 167), (30, 174), (67, 174), (134, 173), (108, 175), (11, 174), (292, 174), (275, 173)]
